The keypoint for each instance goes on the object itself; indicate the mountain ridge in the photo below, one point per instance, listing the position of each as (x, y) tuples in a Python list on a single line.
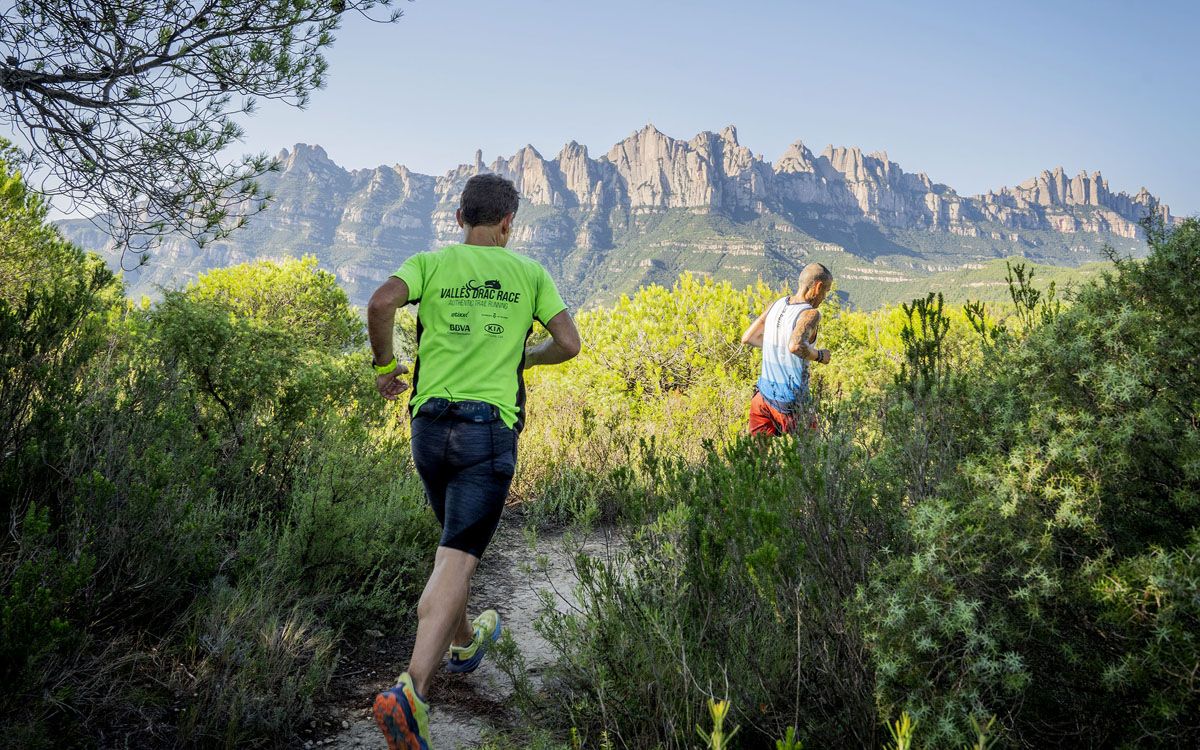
[(653, 206)]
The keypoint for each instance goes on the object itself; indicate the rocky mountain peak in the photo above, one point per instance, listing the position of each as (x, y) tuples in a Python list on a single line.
[(848, 161), (797, 158), (310, 151), (306, 156), (579, 174), (573, 150), (649, 170), (597, 215), (529, 152), (660, 172), (536, 179)]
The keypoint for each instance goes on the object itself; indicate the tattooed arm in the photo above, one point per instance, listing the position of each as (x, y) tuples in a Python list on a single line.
[(804, 336)]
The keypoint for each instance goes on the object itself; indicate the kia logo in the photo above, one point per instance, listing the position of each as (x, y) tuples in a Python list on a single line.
[(494, 328)]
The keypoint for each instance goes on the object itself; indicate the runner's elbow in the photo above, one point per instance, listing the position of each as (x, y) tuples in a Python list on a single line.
[(381, 302), (571, 347), (389, 297)]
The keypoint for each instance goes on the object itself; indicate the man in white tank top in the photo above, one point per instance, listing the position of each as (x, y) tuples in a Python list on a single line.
[(787, 334)]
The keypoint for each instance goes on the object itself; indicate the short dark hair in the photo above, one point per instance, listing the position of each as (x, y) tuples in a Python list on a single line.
[(487, 199)]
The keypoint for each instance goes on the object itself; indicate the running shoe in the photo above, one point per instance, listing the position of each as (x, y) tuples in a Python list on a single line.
[(487, 631), (403, 716)]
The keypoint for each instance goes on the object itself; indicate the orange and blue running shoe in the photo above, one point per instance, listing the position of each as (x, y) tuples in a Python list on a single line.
[(403, 716), (487, 631)]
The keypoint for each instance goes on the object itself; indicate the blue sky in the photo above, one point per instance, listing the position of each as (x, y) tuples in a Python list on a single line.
[(977, 95)]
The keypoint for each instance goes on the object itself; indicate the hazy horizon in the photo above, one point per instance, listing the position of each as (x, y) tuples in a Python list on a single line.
[(977, 98)]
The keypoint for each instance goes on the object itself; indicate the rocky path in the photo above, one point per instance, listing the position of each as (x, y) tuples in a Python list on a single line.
[(509, 580)]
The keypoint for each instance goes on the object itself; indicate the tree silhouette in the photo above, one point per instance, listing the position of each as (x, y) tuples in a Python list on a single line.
[(127, 107)]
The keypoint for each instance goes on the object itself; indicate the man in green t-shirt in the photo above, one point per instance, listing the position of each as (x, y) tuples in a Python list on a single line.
[(476, 303)]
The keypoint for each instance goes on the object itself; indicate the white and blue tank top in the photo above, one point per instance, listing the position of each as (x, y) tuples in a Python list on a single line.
[(783, 381)]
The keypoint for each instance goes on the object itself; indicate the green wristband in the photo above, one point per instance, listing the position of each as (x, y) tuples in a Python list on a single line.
[(389, 367)]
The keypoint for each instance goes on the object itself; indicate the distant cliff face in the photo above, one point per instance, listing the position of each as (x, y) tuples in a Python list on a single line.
[(654, 206)]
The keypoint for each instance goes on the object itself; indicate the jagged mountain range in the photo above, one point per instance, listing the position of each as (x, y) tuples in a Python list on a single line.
[(654, 206)]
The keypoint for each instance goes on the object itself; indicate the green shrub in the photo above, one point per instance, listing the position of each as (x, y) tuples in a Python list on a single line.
[(1150, 605), (290, 295), (203, 497), (1017, 592), (737, 587), (359, 536), (667, 366), (42, 589), (250, 664)]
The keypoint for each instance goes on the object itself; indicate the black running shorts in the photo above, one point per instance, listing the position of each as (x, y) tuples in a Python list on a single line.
[(466, 457)]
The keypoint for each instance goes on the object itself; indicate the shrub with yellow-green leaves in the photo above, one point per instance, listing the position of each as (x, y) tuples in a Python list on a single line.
[(667, 367)]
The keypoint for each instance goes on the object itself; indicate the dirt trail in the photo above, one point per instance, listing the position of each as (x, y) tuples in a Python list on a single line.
[(465, 706)]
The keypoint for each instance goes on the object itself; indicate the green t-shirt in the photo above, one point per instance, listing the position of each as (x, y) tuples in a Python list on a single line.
[(476, 308)]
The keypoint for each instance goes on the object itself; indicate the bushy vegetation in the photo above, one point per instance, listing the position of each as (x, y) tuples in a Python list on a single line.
[(1047, 580), (200, 497), (992, 538), (994, 534)]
